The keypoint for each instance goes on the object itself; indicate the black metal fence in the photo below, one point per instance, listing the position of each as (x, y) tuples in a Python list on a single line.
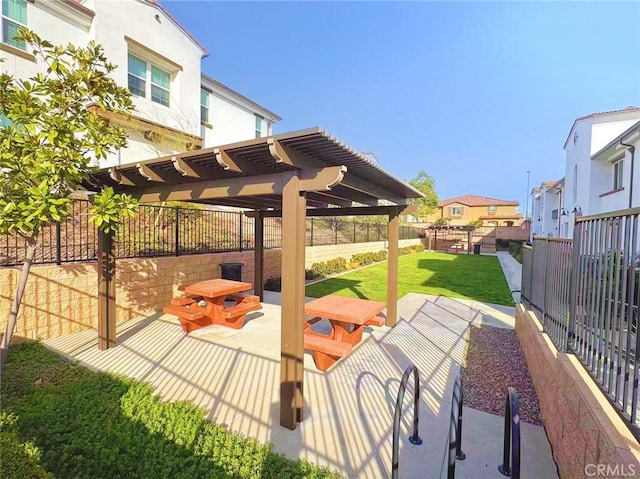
[(174, 231), (587, 292)]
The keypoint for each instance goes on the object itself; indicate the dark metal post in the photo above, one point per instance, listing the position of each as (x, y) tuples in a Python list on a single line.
[(258, 257), (58, 245), (368, 225), (177, 231), (511, 448), (240, 216), (311, 232), (455, 429), (354, 231), (414, 438)]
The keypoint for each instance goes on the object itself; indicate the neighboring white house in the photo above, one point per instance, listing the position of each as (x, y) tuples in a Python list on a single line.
[(235, 116), (598, 173), (160, 63), (588, 181), (548, 209)]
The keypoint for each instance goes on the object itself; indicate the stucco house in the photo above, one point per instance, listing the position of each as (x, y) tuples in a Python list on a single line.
[(178, 108), (599, 173), (465, 209)]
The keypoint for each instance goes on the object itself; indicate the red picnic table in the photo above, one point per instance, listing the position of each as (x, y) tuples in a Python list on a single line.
[(348, 318), (214, 293)]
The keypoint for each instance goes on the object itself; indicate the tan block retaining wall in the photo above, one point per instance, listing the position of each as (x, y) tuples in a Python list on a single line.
[(62, 299), (317, 254), (59, 300), (583, 427)]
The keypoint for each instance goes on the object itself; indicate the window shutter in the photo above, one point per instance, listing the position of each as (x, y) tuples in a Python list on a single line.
[(15, 10), (461, 210)]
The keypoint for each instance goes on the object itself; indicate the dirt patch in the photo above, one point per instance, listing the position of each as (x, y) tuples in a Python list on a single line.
[(494, 361)]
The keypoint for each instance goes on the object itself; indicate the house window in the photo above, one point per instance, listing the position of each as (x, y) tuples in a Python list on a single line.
[(618, 169), (455, 211), (554, 215), (149, 81), (492, 210), (204, 106), (492, 223), (14, 16), (508, 223), (575, 183), (259, 125)]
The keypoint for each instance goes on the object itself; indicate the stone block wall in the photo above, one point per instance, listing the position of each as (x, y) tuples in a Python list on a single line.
[(586, 433), (62, 299)]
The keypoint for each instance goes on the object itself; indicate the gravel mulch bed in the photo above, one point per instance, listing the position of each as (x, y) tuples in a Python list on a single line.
[(494, 361)]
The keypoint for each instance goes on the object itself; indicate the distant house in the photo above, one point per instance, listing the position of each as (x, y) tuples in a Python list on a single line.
[(177, 108), (465, 209), (600, 174)]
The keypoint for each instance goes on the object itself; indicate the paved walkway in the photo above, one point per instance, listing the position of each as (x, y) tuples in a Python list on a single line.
[(234, 375), (513, 272)]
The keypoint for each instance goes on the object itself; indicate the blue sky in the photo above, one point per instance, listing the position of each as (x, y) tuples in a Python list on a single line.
[(473, 93)]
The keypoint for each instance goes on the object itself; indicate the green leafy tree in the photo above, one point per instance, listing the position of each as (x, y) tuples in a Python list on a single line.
[(427, 185), (442, 221), (54, 130), (477, 223)]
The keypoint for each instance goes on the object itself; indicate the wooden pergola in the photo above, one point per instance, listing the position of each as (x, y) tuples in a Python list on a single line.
[(291, 175)]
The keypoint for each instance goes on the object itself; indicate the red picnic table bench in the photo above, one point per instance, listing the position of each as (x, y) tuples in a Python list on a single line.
[(348, 318), (214, 293)]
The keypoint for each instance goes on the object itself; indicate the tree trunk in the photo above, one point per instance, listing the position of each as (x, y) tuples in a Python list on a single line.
[(13, 315)]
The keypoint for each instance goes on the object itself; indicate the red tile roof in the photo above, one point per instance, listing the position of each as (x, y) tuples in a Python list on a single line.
[(474, 200)]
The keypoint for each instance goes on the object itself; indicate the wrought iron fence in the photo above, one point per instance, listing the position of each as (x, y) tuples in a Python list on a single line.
[(587, 293), (173, 231)]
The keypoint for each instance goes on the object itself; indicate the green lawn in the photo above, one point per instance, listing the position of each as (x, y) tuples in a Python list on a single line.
[(75, 423), (459, 276)]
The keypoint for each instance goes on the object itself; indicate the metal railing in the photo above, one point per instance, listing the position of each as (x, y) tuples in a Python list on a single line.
[(605, 304), (511, 445), (587, 293), (454, 451), (158, 230), (414, 438)]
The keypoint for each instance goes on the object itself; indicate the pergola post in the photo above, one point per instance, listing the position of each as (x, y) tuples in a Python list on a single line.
[(106, 292), (392, 269), (258, 257), (292, 344)]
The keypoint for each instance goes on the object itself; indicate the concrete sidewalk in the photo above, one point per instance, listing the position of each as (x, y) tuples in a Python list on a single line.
[(513, 272), (235, 375)]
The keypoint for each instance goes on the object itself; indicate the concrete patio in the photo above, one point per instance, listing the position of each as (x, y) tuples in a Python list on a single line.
[(235, 374)]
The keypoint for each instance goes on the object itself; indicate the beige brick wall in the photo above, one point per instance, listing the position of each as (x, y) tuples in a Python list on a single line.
[(582, 426), (60, 300), (317, 254)]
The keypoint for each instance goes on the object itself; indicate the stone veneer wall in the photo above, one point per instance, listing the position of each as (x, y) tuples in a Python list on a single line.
[(62, 299), (583, 427)]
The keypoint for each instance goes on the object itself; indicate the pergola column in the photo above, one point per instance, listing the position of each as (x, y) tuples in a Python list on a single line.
[(106, 292), (292, 342), (392, 268), (258, 257)]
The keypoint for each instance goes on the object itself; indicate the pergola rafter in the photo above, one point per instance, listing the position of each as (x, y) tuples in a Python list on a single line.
[(291, 175)]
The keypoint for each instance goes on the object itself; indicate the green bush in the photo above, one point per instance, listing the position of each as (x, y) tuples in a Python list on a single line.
[(369, 258), (418, 248), (95, 425), (273, 284), (515, 248), (19, 460), (310, 274), (333, 266)]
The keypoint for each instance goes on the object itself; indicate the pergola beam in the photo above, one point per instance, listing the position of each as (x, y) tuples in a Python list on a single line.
[(349, 211), (317, 179)]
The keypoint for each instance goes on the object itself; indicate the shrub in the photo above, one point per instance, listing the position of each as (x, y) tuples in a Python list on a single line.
[(273, 284), (333, 266), (418, 248), (515, 248), (369, 258), (310, 274)]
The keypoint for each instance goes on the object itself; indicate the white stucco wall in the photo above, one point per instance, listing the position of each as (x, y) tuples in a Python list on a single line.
[(604, 132), (59, 25), (578, 154), (166, 46)]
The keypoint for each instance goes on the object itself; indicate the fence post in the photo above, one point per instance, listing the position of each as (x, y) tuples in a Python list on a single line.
[(544, 290), (368, 225), (58, 244), (354, 231), (311, 232), (240, 232), (335, 234), (573, 284), (177, 231)]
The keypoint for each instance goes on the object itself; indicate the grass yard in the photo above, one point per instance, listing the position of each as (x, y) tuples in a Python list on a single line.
[(65, 421), (459, 276)]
